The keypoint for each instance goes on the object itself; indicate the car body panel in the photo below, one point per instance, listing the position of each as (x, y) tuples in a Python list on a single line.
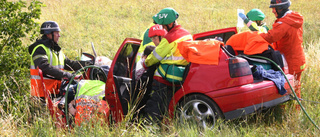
[(247, 95), (202, 77)]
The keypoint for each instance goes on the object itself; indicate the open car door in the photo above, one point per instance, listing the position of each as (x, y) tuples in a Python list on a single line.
[(225, 34), (120, 78)]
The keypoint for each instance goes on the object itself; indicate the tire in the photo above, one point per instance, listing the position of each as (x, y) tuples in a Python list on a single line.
[(199, 109)]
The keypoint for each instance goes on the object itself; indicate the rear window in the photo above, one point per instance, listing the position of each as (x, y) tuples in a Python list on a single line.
[(224, 36)]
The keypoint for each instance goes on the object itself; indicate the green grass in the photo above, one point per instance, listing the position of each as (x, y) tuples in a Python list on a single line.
[(107, 23)]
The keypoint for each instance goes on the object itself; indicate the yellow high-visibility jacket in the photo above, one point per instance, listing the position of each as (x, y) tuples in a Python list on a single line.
[(167, 52)]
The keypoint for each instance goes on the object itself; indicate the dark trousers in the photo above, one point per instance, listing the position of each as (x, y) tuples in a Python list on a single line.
[(158, 103)]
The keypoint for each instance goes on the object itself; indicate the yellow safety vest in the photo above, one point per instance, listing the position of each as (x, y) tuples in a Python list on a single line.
[(51, 85)]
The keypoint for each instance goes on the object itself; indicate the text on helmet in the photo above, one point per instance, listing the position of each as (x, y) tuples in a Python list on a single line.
[(158, 27), (162, 15), (48, 25)]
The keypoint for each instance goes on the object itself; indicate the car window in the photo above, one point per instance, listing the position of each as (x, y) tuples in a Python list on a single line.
[(224, 36), (125, 61)]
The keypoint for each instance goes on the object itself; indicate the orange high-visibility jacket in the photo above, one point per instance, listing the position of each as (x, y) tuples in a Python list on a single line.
[(286, 36), (250, 42), (89, 103), (201, 52)]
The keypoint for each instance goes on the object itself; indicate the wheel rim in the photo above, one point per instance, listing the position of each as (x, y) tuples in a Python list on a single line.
[(199, 112)]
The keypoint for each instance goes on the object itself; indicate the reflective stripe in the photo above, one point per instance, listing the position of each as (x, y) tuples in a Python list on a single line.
[(57, 66), (155, 54), (174, 58), (35, 77), (39, 56), (50, 57), (169, 76)]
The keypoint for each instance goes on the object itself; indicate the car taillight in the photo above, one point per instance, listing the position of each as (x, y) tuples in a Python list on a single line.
[(239, 67), (285, 68)]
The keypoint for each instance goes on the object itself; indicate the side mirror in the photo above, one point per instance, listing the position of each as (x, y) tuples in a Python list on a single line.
[(87, 57)]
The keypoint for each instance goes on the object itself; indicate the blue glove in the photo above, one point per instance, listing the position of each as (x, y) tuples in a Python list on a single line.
[(242, 16), (219, 39)]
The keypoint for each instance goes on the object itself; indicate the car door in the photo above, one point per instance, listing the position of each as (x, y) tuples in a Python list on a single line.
[(119, 79)]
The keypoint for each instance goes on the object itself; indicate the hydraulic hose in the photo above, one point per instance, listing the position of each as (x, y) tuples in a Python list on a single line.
[(294, 93), (71, 80)]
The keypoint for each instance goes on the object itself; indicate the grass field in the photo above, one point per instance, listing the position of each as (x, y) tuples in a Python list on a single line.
[(107, 23)]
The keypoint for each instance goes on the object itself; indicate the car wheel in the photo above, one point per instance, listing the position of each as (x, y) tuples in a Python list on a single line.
[(199, 109)]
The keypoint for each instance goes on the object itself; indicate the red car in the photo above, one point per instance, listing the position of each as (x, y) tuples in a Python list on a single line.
[(227, 90)]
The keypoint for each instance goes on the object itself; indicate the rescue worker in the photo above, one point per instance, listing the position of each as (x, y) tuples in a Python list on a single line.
[(170, 59), (47, 55), (253, 19), (286, 36), (156, 33)]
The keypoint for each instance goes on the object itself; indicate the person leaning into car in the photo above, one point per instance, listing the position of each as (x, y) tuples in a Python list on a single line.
[(167, 54), (47, 55), (286, 36)]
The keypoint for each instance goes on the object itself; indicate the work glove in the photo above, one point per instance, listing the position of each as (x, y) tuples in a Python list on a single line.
[(242, 16), (64, 86), (67, 76), (219, 39)]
